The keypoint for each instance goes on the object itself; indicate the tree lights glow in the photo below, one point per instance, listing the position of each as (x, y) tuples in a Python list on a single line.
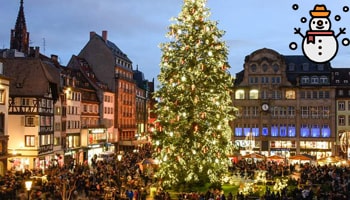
[(195, 105)]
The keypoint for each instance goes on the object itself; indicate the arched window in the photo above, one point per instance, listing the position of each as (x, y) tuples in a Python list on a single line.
[(305, 80), (253, 94), (239, 94)]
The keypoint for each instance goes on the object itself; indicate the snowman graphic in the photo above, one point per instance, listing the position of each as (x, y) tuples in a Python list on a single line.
[(320, 44)]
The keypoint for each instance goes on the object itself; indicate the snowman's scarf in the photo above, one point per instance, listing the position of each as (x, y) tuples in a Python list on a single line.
[(310, 35)]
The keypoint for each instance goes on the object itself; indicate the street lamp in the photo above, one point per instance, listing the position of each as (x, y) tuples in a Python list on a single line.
[(119, 157), (28, 187)]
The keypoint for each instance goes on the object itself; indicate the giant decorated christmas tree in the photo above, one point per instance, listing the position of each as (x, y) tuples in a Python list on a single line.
[(195, 107)]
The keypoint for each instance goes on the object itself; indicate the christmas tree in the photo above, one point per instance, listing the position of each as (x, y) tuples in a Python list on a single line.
[(195, 107)]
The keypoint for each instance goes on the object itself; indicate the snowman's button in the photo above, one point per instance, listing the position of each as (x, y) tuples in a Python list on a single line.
[(320, 53), (319, 41), (319, 47)]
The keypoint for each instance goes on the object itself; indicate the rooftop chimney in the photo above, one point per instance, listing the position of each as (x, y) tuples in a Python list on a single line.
[(104, 35), (92, 33), (37, 52)]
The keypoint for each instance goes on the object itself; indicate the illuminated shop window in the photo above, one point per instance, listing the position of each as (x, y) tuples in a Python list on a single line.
[(283, 130), (304, 131), (255, 132), (238, 132), (315, 131), (274, 130), (291, 130), (326, 131), (265, 131), (246, 131)]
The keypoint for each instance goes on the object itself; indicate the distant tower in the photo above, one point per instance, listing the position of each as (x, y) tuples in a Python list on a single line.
[(19, 35)]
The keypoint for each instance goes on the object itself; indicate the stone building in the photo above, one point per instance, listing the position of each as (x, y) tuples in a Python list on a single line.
[(286, 106)]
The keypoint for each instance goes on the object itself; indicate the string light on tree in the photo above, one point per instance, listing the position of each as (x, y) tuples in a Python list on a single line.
[(194, 90)]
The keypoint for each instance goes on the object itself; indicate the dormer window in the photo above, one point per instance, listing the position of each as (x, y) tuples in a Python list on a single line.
[(305, 66), (291, 66)]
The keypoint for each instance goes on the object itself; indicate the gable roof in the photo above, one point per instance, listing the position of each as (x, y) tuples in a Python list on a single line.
[(31, 77)]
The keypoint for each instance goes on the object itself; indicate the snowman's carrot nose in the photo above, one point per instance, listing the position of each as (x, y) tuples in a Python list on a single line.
[(319, 22)]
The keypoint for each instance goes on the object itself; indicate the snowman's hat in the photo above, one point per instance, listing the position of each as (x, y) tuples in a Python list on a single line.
[(320, 11)]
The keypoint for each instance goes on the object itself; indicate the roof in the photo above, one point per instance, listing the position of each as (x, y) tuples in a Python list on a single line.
[(31, 77)]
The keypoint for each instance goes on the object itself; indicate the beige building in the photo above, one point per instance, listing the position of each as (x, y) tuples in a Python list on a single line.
[(286, 106)]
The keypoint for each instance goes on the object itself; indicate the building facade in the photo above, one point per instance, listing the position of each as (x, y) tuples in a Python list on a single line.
[(113, 66), (285, 106)]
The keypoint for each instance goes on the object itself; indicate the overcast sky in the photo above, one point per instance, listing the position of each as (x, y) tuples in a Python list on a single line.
[(137, 27)]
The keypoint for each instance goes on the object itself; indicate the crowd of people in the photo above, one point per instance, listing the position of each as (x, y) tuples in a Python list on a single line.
[(311, 181), (123, 179), (129, 180)]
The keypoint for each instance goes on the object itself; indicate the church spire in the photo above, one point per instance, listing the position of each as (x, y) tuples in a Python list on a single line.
[(19, 35)]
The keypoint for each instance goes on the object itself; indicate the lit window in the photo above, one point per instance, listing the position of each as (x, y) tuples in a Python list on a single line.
[(239, 94), (2, 96), (29, 140), (238, 131), (291, 130), (290, 94), (304, 131), (253, 94), (326, 131), (274, 130), (315, 131)]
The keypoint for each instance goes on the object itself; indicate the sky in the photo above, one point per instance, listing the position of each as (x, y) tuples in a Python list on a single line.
[(137, 27)]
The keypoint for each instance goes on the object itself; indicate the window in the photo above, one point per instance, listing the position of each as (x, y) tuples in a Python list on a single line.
[(29, 121), (264, 79), (239, 94), (274, 130), (315, 131), (291, 66), (324, 79), (265, 130), (264, 94), (291, 111), (276, 94), (238, 131), (253, 67), (320, 67), (29, 140), (2, 124), (305, 80), (305, 131), (25, 102), (341, 105), (341, 120), (283, 130), (264, 67), (304, 112), (314, 80), (340, 92), (305, 66), (2, 97), (275, 67), (291, 130), (326, 131), (290, 94), (253, 80), (253, 94)]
